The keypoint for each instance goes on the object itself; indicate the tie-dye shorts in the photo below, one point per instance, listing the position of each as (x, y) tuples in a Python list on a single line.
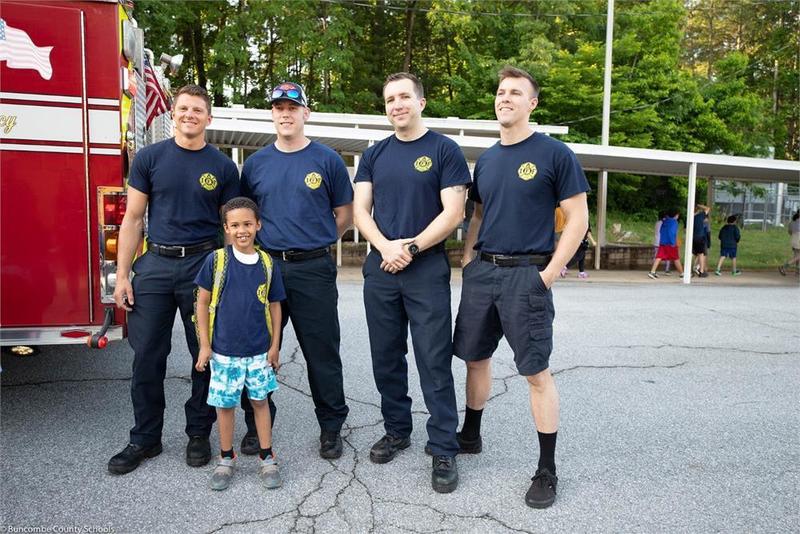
[(230, 374)]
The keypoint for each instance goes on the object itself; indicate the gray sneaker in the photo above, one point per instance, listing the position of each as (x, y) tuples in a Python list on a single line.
[(223, 473), (268, 472)]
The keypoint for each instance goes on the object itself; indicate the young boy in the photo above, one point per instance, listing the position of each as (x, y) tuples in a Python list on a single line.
[(240, 334), (668, 245), (729, 237)]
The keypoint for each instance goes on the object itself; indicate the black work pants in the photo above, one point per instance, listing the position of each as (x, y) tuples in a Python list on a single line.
[(418, 296), (161, 286), (311, 304)]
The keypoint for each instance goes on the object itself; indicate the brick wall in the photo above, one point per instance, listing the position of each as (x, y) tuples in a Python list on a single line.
[(615, 257)]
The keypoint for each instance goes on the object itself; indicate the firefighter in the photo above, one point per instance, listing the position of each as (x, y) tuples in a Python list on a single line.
[(306, 200), (181, 183), (416, 182)]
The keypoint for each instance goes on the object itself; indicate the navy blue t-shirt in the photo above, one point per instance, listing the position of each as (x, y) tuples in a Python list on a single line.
[(240, 326), (520, 186), (407, 178), (729, 236), (185, 190), (296, 193), (700, 230)]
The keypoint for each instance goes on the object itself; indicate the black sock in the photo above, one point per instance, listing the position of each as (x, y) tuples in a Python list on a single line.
[(263, 453), (472, 424), (227, 454), (547, 451)]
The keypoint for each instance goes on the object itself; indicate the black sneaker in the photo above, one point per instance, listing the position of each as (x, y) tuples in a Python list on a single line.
[(330, 444), (198, 451), (542, 492), (465, 446), (386, 448), (130, 458), (249, 444), (444, 477)]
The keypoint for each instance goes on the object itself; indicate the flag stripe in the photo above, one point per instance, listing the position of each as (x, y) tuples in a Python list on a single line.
[(157, 101)]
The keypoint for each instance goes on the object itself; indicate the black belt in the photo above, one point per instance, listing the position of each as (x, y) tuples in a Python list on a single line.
[(298, 255), (506, 260), (179, 251)]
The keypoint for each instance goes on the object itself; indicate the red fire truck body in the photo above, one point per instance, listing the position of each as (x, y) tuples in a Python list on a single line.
[(71, 115)]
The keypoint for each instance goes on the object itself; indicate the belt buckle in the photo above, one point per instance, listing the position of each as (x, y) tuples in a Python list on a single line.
[(283, 255), (182, 252), (500, 260)]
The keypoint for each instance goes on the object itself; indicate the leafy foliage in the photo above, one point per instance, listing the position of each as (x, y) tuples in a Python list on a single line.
[(716, 76)]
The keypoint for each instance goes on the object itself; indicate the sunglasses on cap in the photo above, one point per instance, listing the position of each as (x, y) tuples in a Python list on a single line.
[(286, 93)]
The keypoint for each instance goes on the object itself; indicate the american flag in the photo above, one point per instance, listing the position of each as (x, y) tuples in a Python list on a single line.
[(157, 101), (19, 52)]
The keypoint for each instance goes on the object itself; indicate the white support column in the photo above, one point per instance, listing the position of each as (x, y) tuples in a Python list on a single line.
[(356, 162), (690, 203), (602, 200), (339, 252), (369, 245), (602, 181)]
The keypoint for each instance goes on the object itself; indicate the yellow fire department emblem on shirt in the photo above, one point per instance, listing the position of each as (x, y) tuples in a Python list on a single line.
[(262, 293), (527, 171), (423, 164), (313, 180), (208, 181)]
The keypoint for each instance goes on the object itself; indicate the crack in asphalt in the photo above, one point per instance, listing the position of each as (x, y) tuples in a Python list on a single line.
[(692, 347), (738, 317), (622, 366), (445, 515)]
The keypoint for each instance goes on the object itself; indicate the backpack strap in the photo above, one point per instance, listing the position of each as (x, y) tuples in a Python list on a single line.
[(220, 271), (266, 263)]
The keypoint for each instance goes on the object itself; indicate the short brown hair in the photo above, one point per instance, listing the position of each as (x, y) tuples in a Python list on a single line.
[(513, 72), (194, 90), (418, 89), (236, 204)]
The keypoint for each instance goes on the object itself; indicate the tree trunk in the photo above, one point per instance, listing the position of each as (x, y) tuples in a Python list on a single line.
[(199, 54), (410, 14)]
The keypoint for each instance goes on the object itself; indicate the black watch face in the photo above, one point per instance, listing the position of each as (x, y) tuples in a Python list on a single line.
[(413, 249)]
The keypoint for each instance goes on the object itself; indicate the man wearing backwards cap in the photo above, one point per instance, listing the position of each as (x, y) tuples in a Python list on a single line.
[(305, 201)]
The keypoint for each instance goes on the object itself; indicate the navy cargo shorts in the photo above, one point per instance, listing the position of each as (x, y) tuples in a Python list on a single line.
[(510, 301)]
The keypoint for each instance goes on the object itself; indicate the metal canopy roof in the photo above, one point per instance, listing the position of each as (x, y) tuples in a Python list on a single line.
[(350, 133)]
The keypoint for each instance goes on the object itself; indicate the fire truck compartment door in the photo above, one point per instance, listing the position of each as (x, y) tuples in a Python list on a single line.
[(44, 202)]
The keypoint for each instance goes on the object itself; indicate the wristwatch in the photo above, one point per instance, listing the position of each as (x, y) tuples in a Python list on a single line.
[(413, 249)]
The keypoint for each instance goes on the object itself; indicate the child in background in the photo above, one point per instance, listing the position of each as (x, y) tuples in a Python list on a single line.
[(729, 236), (657, 241), (668, 247)]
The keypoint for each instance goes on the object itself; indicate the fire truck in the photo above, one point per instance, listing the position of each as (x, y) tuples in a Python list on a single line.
[(73, 108)]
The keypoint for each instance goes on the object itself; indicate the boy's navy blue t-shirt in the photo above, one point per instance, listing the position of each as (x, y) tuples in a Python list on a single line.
[(185, 190), (520, 186), (669, 232), (729, 236), (296, 193), (240, 327), (699, 225), (407, 179)]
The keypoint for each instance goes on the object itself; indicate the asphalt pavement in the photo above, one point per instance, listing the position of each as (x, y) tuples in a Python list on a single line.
[(679, 414)]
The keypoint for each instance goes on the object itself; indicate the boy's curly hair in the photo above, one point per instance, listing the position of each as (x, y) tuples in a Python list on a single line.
[(238, 203)]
